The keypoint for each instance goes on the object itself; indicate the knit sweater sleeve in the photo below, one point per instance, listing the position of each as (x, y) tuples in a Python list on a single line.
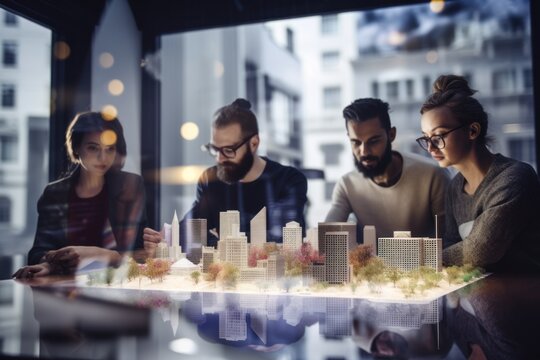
[(341, 207), (505, 204)]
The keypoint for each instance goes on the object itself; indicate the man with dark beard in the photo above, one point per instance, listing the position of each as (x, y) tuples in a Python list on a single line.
[(390, 190), (242, 180)]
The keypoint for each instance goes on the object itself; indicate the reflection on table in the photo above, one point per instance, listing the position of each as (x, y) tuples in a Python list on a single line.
[(494, 318)]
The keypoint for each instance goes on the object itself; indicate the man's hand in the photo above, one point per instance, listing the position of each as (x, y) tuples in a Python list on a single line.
[(151, 240), (31, 271), (66, 259)]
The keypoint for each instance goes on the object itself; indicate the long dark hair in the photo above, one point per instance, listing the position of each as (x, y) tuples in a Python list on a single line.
[(89, 122)]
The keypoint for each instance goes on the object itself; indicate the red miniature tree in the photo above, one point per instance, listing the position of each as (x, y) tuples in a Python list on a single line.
[(256, 253), (213, 271), (359, 257), (157, 268)]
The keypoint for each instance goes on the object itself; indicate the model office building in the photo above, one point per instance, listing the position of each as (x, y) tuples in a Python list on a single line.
[(409, 253)]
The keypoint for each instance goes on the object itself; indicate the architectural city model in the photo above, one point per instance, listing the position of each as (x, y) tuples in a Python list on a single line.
[(327, 261)]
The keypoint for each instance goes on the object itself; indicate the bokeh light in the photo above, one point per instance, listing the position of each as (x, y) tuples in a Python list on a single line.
[(436, 6), (181, 175), (109, 112), (108, 137), (396, 38), (61, 50), (106, 60), (432, 56), (116, 87), (189, 131), (183, 346), (219, 69)]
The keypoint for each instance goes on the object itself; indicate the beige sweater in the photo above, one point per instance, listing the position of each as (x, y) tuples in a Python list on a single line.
[(409, 205)]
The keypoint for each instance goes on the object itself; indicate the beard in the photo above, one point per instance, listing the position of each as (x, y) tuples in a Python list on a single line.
[(230, 172), (380, 165)]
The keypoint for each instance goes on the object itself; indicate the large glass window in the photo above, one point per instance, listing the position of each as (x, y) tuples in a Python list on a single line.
[(379, 55)]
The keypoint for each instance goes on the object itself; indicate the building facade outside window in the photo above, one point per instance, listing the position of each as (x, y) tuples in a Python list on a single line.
[(5, 210), (8, 95), (10, 19), (9, 53), (8, 148), (329, 24), (332, 97)]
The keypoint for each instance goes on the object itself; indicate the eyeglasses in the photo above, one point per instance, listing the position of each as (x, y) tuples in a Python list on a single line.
[(436, 141), (227, 151)]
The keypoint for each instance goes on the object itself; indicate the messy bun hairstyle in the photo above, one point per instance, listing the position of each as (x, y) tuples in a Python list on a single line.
[(238, 112), (453, 92)]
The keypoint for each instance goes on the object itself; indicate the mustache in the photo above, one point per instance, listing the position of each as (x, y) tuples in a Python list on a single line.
[(368, 158)]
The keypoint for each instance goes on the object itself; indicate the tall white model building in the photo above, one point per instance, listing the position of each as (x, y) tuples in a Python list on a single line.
[(370, 238), (325, 227), (196, 238), (235, 248), (312, 237), (226, 220), (336, 256), (292, 236), (175, 250), (258, 229)]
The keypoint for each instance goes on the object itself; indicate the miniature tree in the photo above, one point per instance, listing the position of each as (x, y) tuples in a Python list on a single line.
[(373, 272), (157, 268), (256, 253), (195, 275), (213, 271), (359, 257), (229, 275), (134, 270), (393, 274), (431, 278), (408, 286), (453, 273)]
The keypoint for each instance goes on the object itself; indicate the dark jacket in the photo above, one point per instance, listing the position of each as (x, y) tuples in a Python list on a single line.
[(127, 214)]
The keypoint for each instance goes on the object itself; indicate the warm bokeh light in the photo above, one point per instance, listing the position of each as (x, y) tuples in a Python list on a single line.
[(219, 69), (436, 6), (181, 175), (189, 131), (396, 38), (116, 87), (61, 50), (106, 60), (109, 112), (108, 137), (432, 56)]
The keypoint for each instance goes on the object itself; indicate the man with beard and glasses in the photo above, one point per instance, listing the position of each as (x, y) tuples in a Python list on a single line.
[(388, 189), (242, 180)]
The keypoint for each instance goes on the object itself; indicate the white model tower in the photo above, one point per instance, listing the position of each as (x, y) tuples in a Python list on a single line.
[(258, 229), (226, 220), (292, 236), (176, 250)]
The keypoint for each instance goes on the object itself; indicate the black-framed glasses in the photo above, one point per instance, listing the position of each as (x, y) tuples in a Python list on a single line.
[(436, 141), (227, 151)]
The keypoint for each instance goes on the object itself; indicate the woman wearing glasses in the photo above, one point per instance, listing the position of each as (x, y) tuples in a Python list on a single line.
[(96, 211), (493, 202)]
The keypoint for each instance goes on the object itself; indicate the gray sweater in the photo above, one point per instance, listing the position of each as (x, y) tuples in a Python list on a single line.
[(496, 227)]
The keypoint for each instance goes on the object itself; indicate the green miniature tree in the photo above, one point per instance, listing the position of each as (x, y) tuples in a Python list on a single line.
[(453, 273), (134, 270), (393, 274), (229, 275), (195, 275), (408, 285)]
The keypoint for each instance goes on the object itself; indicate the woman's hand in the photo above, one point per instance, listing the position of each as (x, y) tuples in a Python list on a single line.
[(68, 258), (31, 271)]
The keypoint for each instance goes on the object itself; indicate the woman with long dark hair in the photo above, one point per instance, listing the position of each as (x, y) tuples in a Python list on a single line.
[(96, 211)]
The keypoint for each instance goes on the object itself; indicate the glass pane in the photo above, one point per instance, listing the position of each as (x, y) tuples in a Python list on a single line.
[(24, 128), (393, 53)]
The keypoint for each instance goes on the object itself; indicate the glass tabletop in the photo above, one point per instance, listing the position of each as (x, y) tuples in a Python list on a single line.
[(494, 318)]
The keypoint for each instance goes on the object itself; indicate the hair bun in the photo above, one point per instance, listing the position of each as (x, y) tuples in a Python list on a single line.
[(242, 104), (454, 84)]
